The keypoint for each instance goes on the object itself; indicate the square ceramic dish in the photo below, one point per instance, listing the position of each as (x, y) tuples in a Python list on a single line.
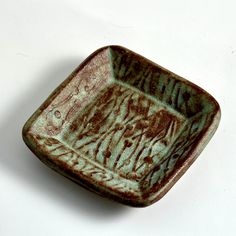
[(123, 126)]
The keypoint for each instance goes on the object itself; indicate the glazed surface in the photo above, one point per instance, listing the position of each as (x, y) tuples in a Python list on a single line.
[(126, 127)]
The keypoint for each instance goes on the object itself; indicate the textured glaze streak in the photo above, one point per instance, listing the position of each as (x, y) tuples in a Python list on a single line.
[(161, 84), (124, 130)]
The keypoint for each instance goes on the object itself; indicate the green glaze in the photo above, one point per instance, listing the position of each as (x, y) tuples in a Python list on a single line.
[(123, 126)]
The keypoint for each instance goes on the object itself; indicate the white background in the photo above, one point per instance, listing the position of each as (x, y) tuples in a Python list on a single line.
[(41, 42)]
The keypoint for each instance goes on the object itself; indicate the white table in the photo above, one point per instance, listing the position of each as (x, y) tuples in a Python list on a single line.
[(41, 42)]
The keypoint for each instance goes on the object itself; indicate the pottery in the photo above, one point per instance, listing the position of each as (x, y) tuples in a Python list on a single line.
[(123, 126)]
